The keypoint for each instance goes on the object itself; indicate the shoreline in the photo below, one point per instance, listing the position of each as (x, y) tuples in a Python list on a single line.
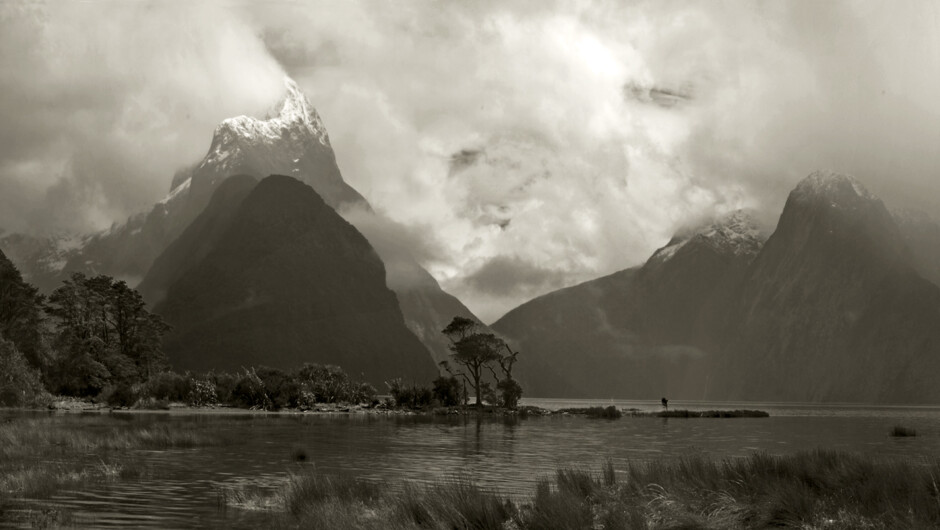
[(76, 406)]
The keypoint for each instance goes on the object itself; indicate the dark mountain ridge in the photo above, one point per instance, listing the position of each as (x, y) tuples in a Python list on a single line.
[(640, 331), (820, 309), (830, 308), (282, 280)]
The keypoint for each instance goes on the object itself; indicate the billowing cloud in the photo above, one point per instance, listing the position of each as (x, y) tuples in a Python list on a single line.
[(516, 146), (512, 277), (102, 102)]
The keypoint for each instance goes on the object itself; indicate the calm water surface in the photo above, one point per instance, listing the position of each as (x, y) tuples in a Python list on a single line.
[(181, 488)]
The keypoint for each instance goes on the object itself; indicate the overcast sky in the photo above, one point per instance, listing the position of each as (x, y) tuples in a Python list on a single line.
[(522, 146)]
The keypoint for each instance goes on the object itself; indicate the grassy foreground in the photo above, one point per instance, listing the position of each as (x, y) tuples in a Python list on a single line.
[(818, 489), (39, 456)]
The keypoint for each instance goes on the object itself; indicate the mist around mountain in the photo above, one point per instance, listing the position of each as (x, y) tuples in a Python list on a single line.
[(270, 274), (921, 233), (292, 141), (830, 308)]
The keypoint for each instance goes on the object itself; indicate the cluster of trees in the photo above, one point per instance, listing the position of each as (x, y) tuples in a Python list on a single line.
[(262, 388), (103, 335), (89, 334)]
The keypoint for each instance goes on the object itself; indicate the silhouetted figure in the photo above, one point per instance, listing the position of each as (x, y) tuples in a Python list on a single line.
[(666, 403)]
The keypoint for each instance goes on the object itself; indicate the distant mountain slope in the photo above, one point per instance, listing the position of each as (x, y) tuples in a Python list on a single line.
[(922, 235), (639, 332), (832, 309), (197, 240), (285, 280), (41, 259), (426, 307)]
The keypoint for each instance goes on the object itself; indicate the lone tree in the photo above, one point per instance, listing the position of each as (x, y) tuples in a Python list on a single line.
[(475, 351)]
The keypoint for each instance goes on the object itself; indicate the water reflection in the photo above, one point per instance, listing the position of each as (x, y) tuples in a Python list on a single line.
[(506, 453)]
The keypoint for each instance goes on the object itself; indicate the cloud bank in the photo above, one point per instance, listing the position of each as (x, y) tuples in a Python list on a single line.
[(102, 102), (521, 147)]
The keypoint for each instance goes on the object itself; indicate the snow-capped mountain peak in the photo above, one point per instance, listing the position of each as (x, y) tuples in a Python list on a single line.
[(296, 125), (833, 187), (737, 233)]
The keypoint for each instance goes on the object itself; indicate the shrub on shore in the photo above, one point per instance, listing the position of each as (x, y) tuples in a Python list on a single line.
[(120, 395), (411, 396), (261, 388), (610, 412), (169, 386), (202, 393), (448, 391)]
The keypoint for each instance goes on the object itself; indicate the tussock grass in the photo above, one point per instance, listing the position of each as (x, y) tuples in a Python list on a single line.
[(817, 489), (40, 456)]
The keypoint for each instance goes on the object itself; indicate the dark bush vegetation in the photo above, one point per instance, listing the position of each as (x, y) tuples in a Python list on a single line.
[(410, 396), (262, 388), (249, 392), (202, 393), (510, 391), (169, 386), (120, 395), (330, 384), (611, 412), (448, 391)]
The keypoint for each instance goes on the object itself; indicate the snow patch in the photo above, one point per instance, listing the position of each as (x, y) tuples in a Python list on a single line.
[(666, 253), (832, 185), (736, 233), (177, 191), (292, 131)]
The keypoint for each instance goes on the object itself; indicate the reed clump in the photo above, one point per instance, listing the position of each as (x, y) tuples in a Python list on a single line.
[(805, 490)]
